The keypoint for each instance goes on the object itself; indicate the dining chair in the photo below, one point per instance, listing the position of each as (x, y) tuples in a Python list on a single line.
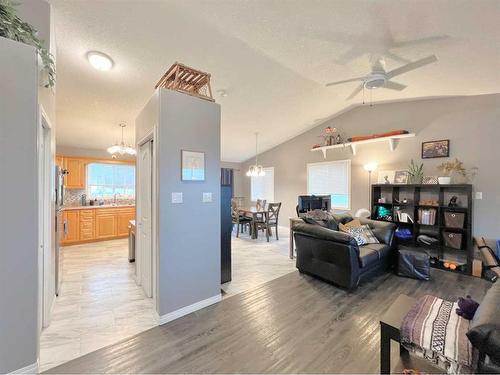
[(261, 204), (240, 220), (270, 220)]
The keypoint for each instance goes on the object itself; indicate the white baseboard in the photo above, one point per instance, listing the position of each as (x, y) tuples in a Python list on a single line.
[(31, 369), (189, 309)]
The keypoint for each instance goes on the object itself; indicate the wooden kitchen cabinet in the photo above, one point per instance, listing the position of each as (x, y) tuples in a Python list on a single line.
[(105, 224), (75, 179), (95, 224), (124, 216), (71, 226), (87, 225), (60, 161)]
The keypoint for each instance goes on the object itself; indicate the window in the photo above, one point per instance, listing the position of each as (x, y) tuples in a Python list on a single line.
[(263, 187), (331, 178), (106, 180)]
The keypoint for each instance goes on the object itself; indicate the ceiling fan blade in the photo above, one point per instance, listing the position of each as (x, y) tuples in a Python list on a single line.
[(394, 86), (415, 42), (345, 80), (395, 57), (355, 92), (412, 66)]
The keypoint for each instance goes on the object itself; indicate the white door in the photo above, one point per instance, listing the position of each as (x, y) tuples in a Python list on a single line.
[(46, 219), (145, 248)]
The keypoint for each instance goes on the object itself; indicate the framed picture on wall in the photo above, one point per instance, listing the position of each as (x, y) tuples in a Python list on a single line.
[(192, 165), (436, 149)]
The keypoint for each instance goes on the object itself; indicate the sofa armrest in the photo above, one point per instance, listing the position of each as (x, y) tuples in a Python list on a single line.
[(484, 332), (383, 230)]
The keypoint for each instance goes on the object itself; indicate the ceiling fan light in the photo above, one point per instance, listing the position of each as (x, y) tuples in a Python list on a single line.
[(100, 61)]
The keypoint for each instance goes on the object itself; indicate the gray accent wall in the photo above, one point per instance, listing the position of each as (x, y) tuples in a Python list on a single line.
[(18, 206), (471, 123), (189, 233)]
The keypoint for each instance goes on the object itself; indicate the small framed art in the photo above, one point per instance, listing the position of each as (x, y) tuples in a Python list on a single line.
[(192, 165), (436, 149), (401, 177)]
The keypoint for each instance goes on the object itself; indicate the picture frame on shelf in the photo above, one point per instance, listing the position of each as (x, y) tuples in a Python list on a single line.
[(192, 165), (401, 177), (436, 149), (430, 180), (386, 177)]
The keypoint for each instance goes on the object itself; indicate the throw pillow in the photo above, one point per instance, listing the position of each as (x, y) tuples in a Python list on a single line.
[(466, 307), (363, 235), (370, 236), (351, 224)]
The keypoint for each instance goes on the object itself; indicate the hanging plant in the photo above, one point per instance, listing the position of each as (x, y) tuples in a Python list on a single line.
[(12, 27)]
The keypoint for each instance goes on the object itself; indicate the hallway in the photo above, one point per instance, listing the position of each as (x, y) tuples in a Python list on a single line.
[(99, 303)]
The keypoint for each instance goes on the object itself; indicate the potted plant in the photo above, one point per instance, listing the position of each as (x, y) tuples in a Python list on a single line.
[(455, 168), (415, 172), (14, 28)]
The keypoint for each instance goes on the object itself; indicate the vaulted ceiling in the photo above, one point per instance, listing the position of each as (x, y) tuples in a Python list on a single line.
[(272, 57)]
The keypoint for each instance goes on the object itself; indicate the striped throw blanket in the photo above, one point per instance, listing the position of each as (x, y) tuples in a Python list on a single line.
[(433, 330)]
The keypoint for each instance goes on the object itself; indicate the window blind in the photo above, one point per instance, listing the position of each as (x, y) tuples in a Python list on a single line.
[(263, 187), (331, 178)]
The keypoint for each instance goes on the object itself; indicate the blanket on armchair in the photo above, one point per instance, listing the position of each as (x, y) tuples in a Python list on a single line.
[(433, 330)]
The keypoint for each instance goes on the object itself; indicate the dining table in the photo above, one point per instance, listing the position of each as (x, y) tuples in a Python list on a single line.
[(256, 213)]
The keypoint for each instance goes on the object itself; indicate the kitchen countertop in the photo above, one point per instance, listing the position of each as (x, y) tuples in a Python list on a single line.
[(93, 207)]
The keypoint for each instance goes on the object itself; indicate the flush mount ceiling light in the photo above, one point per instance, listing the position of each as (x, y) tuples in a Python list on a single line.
[(100, 61), (256, 170), (121, 148)]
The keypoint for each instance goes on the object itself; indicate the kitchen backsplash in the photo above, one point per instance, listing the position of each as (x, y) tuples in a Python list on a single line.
[(72, 197)]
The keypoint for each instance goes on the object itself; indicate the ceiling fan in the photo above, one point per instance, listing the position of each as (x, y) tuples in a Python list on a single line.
[(378, 77)]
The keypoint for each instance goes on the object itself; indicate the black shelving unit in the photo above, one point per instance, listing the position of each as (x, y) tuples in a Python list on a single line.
[(414, 195)]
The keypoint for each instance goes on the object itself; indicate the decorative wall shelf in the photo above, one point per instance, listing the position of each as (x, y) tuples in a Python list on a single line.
[(392, 140)]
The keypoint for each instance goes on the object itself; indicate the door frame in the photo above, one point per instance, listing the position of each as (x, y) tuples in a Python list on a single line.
[(151, 136), (46, 183)]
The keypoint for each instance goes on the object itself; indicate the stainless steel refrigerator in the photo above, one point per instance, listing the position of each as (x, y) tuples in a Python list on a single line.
[(59, 225)]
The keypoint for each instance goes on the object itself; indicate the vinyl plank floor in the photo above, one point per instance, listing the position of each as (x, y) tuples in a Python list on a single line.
[(293, 324)]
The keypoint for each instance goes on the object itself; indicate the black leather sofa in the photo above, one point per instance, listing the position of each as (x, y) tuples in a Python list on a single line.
[(484, 332), (334, 256)]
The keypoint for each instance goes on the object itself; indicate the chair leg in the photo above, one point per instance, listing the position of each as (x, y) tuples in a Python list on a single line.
[(267, 233), (277, 232), (237, 230)]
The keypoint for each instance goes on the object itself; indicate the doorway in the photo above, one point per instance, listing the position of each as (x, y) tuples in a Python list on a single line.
[(147, 242), (144, 257), (46, 212)]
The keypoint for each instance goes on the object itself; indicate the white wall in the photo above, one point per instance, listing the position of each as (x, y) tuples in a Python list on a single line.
[(471, 124), (18, 206)]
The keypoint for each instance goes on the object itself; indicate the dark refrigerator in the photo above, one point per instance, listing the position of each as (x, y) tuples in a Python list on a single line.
[(226, 194)]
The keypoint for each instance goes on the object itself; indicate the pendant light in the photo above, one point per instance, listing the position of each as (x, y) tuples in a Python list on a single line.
[(121, 148), (256, 170)]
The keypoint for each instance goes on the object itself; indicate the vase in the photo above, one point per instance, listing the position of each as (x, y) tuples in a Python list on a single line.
[(444, 180)]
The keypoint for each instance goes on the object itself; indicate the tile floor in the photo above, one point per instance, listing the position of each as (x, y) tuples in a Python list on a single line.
[(100, 303), (255, 262)]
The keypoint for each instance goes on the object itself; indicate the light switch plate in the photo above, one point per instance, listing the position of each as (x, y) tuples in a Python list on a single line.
[(479, 195), (176, 197), (207, 197)]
